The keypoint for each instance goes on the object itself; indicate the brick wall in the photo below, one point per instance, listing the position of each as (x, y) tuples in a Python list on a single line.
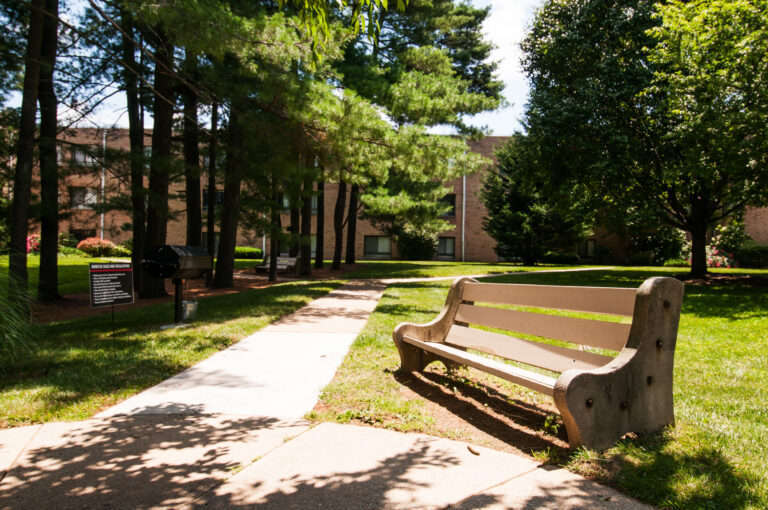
[(478, 245), (756, 224)]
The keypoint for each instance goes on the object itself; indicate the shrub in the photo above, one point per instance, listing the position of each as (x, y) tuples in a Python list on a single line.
[(67, 239), (729, 238), (416, 247), (120, 251), (16, 333), (560, 258), (655, 246), (248, 252), (33, 243), (752, 255), (96, 247), (68, 250)]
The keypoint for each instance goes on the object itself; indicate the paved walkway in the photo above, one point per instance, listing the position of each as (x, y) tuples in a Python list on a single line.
[(228, 433)]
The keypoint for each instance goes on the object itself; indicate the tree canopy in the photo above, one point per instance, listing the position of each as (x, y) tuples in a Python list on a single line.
[(653, 102)]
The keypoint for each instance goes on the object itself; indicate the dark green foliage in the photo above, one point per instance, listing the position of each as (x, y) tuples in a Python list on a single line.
[(653, 105), (655, 245), (248, 252), (752, 255), (561, 258), (528, 215), (729, 238), (416, 247)]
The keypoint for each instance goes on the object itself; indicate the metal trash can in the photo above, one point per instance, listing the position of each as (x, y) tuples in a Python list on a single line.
[(179, 263)]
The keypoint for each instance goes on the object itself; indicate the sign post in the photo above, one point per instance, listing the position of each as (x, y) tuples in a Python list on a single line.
[(111, 284)]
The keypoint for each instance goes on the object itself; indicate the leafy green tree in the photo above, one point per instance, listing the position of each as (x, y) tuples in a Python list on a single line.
[(429, 66), (711, 63), (528, 215), (619, 101)]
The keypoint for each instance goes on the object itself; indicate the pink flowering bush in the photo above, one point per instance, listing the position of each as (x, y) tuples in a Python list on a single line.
[(96, 247), (33, 243)]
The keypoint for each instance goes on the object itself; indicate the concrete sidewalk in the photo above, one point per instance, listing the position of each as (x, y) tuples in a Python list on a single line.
[(278, 371), (228, 433)]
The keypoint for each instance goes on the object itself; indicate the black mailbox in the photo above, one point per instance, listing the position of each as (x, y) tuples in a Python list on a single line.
[(178, 262)]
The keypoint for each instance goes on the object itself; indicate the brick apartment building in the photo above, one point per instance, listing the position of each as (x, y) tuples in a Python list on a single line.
[(87, 181)]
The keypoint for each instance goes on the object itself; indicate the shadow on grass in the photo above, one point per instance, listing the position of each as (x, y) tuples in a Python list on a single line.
[(704, 478), (81, 359)]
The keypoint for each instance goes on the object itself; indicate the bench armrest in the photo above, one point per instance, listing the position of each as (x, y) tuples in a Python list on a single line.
[(413, 358), (632, 393)]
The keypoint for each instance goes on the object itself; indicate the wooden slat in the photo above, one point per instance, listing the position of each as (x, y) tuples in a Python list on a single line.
[(601, 334), (532, 380), (609, 300), (550, 357)]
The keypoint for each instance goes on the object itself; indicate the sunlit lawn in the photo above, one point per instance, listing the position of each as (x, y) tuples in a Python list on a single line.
[(80, 368), (433, 268), (73, 273), (713, 458)]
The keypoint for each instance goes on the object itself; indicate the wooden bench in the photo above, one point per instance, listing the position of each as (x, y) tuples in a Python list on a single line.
[(283, 264), (600, 397)]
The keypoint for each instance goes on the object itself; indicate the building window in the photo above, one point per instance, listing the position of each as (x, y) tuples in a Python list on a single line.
[(446, 247), (79, 234), (83, 156), (219, 198), (377, 246), (449, 200), (83, 198)]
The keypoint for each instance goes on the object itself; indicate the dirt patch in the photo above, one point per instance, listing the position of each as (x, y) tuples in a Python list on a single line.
[(468, 406), (482, 413)]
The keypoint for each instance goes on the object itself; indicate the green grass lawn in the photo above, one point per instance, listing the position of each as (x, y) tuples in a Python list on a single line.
[(713, 458), (426, 269), (73, 273), (78, 367)]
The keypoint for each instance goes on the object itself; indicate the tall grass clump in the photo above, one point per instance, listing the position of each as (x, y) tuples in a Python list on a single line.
[(17, 334)]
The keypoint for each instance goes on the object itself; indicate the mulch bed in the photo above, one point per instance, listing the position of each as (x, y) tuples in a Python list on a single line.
[(75, 306)]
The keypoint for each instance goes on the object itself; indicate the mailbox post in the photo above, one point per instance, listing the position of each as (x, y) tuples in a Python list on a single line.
[(178, 263)]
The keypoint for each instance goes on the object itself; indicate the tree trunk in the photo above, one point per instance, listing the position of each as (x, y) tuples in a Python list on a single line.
[(136, 139), (211, 214), (22, 180), (320, 225), (225, 261), (352, 224), (48, 282), (699, 250), (305, 267), (275, 229), (159, 169), (192, 159), (338, 225)]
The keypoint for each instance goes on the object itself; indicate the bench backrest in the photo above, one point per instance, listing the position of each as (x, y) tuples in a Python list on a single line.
[(576, 332)]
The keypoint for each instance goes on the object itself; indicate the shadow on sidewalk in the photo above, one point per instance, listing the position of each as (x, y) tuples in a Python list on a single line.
[(134, 461), (394, 482)]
